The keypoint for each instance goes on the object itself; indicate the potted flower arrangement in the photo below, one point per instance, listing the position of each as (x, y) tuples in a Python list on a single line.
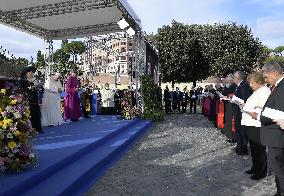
[(16, 133)]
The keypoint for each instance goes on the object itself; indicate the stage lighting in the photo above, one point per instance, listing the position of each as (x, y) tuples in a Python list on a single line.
[(123, 24), (130, 31)]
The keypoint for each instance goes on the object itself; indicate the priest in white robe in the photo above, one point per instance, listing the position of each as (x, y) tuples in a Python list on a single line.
[(51, 102), (107, 100)]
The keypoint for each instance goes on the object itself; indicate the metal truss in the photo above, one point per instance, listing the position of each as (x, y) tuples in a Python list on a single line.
[(85, 30), (60, 8), (49, 57), (20, 18)]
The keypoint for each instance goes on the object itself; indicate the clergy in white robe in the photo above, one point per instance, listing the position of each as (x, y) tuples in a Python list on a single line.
[(107, 100), (51, 102)]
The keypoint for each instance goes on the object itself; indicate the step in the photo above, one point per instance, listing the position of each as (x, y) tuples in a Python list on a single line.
[(35, 176), (77, 177)]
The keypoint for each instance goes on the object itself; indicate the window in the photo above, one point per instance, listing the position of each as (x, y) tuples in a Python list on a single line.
[(123, 50), (123, 43), (130, 43), (123, 58)]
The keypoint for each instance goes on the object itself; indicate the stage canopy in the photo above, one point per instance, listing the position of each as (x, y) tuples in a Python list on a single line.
[(60, 19)]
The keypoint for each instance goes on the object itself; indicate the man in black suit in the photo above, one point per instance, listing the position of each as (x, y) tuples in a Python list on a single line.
[(271, 134), (193, 99), (167, 99), (184, 100), (175, 100), (243, 91)]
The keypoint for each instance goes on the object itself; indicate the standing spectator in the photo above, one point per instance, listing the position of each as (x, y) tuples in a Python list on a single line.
[(175, 99), (256, 100), (184, 100), (271, 135), (193, 100), (167, 99), (86, 99), (243, 92)]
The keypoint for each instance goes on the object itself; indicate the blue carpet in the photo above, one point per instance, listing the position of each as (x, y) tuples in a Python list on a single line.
[(73, 156)]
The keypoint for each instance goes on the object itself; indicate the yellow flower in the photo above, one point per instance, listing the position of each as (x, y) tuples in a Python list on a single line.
[(7, 122), (17, 133), (3, 91), (1, 123), (14, 101), (12, 145)]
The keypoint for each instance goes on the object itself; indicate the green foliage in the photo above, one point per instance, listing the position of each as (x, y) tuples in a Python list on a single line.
[(73, 48), (278, 59), (278, 50), (152, 110), (40, 60), (12, 68), (230, 47), (189, 53)]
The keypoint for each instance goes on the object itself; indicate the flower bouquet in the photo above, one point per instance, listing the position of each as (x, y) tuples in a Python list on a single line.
[(16, 133)]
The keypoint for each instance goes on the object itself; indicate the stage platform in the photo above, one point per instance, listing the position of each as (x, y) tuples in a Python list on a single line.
[(72, 157)]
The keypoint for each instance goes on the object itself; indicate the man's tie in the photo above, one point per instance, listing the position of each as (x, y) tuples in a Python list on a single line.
[(272, 88)]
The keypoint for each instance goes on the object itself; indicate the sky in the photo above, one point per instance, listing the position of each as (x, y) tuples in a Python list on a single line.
[(264, 17)]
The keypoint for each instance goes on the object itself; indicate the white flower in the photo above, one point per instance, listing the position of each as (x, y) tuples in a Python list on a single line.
[(10, 136), (17, 115), (31, 155)]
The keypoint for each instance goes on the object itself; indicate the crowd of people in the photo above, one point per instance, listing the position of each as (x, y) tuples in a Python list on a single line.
[(176, 101), (53, 108), (239, 107)]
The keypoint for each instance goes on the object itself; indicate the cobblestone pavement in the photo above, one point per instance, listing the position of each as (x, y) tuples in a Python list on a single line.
[(184, 155)]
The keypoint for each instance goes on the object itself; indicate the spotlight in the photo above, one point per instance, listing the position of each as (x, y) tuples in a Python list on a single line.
[(123, 24), (130, 31)]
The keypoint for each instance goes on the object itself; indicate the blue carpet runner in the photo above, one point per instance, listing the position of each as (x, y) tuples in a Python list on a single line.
[(73, 156)]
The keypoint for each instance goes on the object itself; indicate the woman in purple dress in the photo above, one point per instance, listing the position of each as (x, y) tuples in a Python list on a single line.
[(72, 102)]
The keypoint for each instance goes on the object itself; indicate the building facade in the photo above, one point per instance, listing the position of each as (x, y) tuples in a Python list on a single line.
[(116, 56)]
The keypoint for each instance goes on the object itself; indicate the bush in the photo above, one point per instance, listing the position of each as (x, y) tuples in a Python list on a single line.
[(152, 109)]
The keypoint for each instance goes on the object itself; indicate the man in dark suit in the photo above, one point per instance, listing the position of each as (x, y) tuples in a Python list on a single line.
[(175, 100), (184, 100), (271, 134), (167, 99), (193, 99), (243, 91)]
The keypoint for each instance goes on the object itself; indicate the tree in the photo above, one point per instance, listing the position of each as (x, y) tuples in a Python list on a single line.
[(74, 48), (231, 47), (278, 50), (40, 60), (172, 50)]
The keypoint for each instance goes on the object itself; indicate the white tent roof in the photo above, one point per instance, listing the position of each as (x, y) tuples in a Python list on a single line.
[(60, 19)]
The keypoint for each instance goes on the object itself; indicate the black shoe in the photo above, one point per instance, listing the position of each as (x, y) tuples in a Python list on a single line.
[(257, 177), (277, 194), (242, 152), (40, 131), (250, 171)]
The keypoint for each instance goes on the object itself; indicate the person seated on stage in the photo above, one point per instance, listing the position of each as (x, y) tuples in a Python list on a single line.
[(29, 88), (107, 100), (86, 99), (51, 102)]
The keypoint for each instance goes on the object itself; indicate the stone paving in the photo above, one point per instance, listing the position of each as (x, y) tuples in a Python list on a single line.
[(184, 155)]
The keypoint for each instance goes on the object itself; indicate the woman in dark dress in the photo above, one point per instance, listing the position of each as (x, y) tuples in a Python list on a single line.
[(29, 89)]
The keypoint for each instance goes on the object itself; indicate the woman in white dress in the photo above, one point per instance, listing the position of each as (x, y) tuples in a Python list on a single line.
[(51, 102)]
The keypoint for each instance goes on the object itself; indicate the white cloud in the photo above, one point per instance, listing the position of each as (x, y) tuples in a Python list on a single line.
[(270, 30)]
